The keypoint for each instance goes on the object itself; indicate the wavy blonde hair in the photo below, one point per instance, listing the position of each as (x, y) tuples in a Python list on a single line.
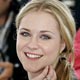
[(66, 25)]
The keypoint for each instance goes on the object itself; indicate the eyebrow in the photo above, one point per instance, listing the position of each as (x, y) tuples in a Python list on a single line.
[(44, 31), (25, 29)]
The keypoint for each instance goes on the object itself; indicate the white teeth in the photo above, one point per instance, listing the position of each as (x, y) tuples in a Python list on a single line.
[(33, 56)]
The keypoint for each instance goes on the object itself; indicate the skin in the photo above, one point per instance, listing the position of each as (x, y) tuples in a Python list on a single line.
[(39, 34), (8, 70)]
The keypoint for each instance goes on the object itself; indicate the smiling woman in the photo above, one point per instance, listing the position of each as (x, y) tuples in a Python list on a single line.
[(45, 33)]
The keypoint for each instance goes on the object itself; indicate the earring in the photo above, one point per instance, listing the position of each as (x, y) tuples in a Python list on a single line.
[(62, 58)]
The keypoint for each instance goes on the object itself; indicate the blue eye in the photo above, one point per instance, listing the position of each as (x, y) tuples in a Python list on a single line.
[(25, 34), (45, 37)]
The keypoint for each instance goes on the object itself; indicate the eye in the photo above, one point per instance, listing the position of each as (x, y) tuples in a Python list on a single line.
[(45, 37), (25, 34)]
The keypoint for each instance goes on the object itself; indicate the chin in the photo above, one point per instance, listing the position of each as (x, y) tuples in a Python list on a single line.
[(32, 69)]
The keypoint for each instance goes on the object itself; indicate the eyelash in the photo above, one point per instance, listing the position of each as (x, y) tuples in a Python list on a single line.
[(45, 37), (25, 34)]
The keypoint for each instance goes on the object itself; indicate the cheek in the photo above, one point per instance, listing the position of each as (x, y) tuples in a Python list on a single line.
[(52, 48), (19, 46), (51, 53), (20, 43)]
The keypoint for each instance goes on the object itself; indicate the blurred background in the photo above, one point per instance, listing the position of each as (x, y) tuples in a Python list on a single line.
[(75, 8)]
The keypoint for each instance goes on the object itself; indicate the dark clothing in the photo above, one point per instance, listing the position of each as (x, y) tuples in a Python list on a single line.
[(77, 13)]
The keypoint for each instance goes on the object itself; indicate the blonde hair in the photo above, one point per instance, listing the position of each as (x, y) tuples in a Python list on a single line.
[(67, 28)]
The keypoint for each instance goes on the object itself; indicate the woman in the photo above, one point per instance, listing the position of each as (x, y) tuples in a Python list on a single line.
[(45, 32)]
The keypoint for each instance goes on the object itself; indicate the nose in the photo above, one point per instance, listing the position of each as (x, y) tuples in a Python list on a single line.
[(33, 44)]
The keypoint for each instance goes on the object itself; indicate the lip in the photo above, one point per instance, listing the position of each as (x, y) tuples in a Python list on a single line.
[(32, 56)]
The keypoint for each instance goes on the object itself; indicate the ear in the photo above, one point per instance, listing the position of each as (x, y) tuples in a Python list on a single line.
[(62, 47)]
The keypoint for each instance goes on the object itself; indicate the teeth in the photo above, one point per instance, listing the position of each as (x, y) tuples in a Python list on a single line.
[(33, 56)]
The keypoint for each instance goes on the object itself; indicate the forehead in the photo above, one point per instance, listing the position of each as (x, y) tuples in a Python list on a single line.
[(39, 19)]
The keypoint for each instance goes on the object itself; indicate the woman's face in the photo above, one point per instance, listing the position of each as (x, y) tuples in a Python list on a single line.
[(38, 41)]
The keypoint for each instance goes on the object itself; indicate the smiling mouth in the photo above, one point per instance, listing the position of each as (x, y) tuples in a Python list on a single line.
[(32, 56)]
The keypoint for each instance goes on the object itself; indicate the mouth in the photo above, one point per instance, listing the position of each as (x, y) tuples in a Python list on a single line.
[(32, 55)]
